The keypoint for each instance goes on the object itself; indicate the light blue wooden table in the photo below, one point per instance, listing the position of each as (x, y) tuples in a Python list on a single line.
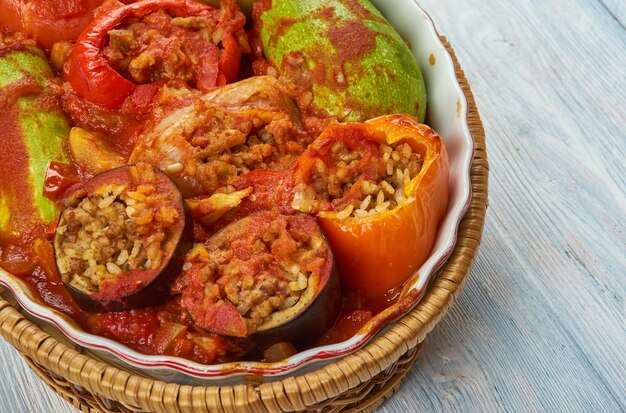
[(540, 325)]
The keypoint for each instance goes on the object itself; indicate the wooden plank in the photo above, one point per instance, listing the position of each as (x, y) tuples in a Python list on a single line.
[(540, 326), (21, 390), (617, 8)]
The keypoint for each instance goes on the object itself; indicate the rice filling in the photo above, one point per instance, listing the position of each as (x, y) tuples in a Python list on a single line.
[(114, 230), (257, 273), (359, 183)]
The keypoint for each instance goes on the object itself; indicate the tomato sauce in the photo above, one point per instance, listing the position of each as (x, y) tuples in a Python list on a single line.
[(356, 311), (120, 126), (59, 178), (48, 21), (168, 328)]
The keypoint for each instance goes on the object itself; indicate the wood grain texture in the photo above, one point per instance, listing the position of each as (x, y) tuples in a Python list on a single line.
[(540, 325), (618, 9)]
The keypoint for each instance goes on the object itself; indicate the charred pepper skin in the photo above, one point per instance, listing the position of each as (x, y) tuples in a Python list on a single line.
[(34, 132)]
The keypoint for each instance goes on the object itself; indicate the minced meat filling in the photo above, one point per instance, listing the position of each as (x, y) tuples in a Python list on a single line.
[(116, 229), (258, 273), (161, 47), (215, 147), (228, 144), (359, 183), (243, 142)]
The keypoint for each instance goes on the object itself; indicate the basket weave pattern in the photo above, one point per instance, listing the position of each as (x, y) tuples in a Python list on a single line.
[(358, 382)]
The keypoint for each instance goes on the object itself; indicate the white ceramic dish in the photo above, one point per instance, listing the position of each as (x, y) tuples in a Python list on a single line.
[(447, 113)]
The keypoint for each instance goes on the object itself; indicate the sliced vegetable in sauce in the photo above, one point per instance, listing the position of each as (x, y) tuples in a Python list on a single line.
[(91, 151), (34, 133)]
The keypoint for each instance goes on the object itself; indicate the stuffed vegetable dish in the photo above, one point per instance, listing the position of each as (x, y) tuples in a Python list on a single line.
[(216, 181)]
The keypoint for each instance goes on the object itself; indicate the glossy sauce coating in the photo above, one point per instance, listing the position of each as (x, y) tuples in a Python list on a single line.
[(169, 328)]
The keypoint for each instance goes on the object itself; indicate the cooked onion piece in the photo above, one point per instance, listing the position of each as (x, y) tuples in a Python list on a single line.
[(265, 274), (118, 237)]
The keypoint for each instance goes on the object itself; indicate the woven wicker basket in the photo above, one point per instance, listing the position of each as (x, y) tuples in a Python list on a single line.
[(358, 382)]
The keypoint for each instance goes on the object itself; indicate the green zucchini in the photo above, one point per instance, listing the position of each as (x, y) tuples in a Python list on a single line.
[(360, 66), (34, 133)]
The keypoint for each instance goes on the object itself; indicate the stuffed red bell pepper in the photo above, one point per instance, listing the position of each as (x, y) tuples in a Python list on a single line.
[(379, 190), (156, 40)]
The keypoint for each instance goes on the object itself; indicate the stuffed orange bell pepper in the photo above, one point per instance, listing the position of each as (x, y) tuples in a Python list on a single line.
[(379, 189)]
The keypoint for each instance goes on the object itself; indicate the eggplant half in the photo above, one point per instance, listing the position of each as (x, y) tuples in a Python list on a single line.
[(121, 239), (269, 278)]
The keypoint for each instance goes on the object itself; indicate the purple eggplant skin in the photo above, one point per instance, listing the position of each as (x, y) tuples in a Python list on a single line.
[(310, 324), (156, 292), (315, 319), (154, 285)]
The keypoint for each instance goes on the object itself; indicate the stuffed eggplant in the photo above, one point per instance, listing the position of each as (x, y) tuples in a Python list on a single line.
[(121, 238), (269, 276)]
